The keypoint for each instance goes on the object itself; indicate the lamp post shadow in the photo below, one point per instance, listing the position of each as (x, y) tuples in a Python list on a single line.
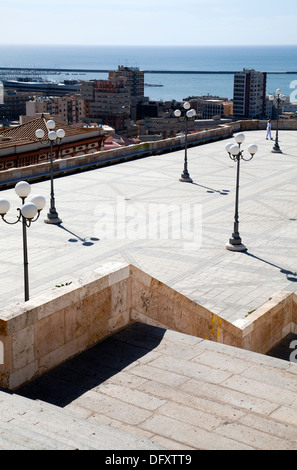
[(223, 192), (86, 241), (287, 272)]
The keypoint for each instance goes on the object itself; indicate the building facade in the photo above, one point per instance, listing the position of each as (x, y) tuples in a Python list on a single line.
[(249, 98), (14, 104), (134, 79), (20, 147), (68, 109), (207, 107), (107, 102)]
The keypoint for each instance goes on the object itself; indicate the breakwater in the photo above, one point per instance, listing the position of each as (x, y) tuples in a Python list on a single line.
[(176, 72)]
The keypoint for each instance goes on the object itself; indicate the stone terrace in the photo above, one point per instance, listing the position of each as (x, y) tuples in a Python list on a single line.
[(147, 387), (229, 284)]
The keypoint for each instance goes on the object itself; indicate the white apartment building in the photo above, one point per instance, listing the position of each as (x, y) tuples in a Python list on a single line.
[(70, 109), (249, 94)]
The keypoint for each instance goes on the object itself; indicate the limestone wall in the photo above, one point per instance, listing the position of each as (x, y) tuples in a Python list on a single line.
[(40, 334), (157, 304), (270, 323)]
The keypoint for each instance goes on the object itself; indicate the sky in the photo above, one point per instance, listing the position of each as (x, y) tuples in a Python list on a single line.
[(148, 22)]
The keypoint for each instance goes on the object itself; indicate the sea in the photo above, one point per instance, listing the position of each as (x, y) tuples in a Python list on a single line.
[(209, 69)]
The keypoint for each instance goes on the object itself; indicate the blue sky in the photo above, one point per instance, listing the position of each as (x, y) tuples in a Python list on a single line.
[(148, 22)]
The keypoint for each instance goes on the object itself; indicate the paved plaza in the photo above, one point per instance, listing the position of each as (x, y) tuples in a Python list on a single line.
[(108, 216)]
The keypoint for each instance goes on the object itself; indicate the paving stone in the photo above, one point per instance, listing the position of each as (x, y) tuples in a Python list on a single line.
[(191, 435), (254, 438)]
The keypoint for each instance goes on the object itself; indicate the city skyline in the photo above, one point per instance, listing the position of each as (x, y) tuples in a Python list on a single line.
[(149, 22)]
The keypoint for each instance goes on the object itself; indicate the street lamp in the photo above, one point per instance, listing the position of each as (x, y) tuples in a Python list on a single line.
[(53, 137), (279, 98), (189, 113), (236, 154), (28, 213)]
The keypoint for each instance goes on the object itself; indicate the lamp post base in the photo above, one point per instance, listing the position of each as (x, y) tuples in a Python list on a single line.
[(186, 179), (276, 150), (241, 247), (53, 221), (53, 218)]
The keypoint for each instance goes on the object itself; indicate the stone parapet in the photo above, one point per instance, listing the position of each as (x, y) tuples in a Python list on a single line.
[(68, 165), (40, 334)]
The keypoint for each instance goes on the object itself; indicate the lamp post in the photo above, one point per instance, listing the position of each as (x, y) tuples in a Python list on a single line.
[(236, 154), (28, 213), (189, 113), (279, 98), (53, 136)]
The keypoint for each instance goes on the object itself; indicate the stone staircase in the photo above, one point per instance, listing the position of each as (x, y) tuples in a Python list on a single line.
[(27, 424)]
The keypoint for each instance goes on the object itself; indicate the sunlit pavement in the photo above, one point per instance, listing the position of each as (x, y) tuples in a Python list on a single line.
[(109, 215)]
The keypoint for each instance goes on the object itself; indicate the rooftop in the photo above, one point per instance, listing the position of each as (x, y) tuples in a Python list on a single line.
[(25, 133)]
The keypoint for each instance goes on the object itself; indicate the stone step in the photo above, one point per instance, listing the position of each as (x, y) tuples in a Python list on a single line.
[(50, 427), (13, 436)]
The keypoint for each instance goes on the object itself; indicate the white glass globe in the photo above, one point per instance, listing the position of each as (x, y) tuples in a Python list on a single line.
[(60, 133), (22, 188), (253, 148), (278, 91), (50, 124), (52, 135), (271, 97), (177, 113), (187, 105), (235, 149), (39, 201), (228, 147), (239, 138), (39, 133), (29, 210), (191, 113), (4, 206)]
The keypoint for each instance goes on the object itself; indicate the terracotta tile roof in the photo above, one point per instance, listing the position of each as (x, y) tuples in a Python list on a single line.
[(25, 133)]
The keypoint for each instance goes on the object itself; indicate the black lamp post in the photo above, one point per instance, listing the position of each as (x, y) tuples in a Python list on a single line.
[(28, 213), (189, 113), (236, 154), (279, 99), (53, 136)]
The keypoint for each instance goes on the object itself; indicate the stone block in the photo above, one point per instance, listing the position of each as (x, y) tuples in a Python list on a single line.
[(21, 376), (23, 347), (49, 334), (117, 322), (119, 298)]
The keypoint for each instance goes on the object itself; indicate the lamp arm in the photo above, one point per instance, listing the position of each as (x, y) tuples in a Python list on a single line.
[(12, 223), (233, 157), (33, 220), (247, 159)]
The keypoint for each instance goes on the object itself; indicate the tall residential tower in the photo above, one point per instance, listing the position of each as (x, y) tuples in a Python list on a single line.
[(249, 94)]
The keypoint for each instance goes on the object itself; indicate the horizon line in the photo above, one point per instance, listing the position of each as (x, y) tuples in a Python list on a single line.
[(148, 45)]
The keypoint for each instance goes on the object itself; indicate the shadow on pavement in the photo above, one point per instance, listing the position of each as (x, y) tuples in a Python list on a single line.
[(88, 370), (88, 241), (282, 270)]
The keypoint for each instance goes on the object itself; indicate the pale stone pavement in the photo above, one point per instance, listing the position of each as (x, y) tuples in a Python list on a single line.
[(172, 390), (108, 216), (176, 391)]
